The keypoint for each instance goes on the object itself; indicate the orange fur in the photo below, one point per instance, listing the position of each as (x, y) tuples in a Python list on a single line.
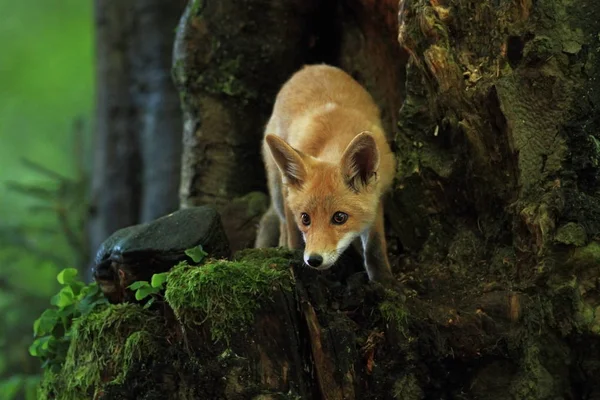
[(325, 152)]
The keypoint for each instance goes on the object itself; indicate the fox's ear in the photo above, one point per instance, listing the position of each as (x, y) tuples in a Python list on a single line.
[(360, 161), (288, 159)]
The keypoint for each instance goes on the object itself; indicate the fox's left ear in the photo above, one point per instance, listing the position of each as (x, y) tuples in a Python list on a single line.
[(360, 161)]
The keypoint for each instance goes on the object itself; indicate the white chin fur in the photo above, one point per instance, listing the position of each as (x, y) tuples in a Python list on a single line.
[(330, 258), (346, 241)]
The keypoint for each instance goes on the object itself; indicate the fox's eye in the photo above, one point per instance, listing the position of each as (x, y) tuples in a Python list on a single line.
[(305, 218), (339, 218)]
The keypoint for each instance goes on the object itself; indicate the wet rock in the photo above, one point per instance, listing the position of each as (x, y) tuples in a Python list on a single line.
[(137, 252)]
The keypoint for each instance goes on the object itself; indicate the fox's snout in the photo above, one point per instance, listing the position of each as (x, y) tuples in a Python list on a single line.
[(314, 260), (320, 260)]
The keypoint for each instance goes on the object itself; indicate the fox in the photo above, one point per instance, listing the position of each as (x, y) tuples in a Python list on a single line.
[(328, 165)]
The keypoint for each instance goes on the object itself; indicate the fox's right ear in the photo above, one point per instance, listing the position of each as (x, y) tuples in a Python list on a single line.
[(360, 161), (288, 159)]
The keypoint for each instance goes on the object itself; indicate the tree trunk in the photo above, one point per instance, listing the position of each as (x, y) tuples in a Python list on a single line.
[(137, 144), (157, 101), (498, 208)]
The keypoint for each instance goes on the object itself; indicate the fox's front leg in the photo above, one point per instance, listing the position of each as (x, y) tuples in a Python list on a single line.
[(375, 251), (294, 241), (283, 234)]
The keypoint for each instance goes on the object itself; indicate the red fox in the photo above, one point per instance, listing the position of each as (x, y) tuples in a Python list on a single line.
[(328, 165)]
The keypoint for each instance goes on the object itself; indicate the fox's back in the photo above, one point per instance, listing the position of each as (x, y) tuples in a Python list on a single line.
[(316, 85), (316, 88)]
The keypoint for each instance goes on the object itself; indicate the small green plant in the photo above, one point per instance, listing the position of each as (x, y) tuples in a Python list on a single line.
[(197, 254), (52, 330), (144, 289), (153, 288)]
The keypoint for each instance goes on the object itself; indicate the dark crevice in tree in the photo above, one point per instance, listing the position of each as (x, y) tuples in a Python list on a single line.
[(514, 50)]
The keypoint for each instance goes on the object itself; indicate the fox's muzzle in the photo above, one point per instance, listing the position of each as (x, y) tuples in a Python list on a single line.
[(320, 261)]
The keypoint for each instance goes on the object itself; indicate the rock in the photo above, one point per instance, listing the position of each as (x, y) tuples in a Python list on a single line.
[(137, 252)]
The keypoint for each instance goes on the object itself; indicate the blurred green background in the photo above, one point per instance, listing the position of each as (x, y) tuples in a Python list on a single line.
[(46, 84)]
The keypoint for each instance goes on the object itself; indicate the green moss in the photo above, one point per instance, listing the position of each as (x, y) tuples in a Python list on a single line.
[(407, 388), (587, 315), (466, 248), (279, 256), (588, 318), (539, 48), (394, 311), (439, 162), (595, 324), (571, 234), (533, 382), (104, 346), (197, 7), (225, 295), (224, 79), (587, 256)]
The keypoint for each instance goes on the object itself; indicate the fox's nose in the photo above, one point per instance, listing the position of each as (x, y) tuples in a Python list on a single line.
[(314, 260)]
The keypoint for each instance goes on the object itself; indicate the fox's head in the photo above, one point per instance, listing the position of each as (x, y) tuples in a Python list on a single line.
[(332, 204)]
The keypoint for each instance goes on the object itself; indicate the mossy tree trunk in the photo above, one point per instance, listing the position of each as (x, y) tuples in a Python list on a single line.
[(137, 143), (498, 206)]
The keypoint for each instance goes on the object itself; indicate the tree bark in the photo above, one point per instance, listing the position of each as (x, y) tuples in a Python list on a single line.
[(160, 122), (115, 179), (499, 187), (137, 143)]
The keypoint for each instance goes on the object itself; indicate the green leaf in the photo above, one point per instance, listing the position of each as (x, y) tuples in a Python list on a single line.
[(90, 290), (64, 298), (93, 290), (88, 303), (138, 285), (45, 323), (38, 346), (158, 280), (77, 287), (67, 276), (66, 312), (144, 292), (197, 253)]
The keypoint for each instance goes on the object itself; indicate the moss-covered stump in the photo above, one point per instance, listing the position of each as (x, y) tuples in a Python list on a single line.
[(241, 329), (264, 327)]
